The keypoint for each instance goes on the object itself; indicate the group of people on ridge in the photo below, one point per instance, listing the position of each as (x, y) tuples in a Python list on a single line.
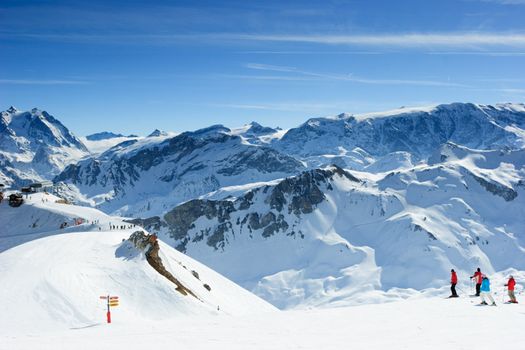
[(483, 287)]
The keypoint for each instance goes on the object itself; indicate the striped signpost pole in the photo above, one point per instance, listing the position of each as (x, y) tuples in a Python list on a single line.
[(111, 301)]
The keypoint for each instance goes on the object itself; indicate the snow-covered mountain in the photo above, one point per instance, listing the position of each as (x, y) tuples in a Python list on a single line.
[(55, 282), (106, 135), (332, 209), (356, 141), (328, 235), (150, 175), (35, 146), (255, 133)]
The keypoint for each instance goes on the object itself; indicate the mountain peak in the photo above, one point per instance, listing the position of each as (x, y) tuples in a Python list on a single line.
[(211, 130), (256, 128), (104, 135), (157, 133), (35, 140), (12, 110)]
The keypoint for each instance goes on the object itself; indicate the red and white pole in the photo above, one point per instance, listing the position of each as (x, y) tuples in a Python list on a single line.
[(109, 312)]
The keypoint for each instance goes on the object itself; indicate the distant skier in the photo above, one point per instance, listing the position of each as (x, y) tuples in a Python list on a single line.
[(485, 292), (510, 286), (478, 279), (453, 282)]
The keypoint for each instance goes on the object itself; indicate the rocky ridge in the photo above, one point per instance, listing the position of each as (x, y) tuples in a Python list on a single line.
[(294, 195)]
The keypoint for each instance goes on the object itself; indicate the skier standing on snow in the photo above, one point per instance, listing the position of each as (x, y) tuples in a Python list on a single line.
[(453, 282), (485, 292), (510, 286), (478, 278)]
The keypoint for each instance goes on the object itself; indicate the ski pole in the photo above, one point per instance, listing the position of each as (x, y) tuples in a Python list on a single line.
[(461, 290)]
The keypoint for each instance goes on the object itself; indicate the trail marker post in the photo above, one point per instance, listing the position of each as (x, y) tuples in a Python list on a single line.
[(111, 301)]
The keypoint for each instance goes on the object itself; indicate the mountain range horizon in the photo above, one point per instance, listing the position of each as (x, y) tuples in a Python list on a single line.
[(368, 191), (262, 174), (116, 133)]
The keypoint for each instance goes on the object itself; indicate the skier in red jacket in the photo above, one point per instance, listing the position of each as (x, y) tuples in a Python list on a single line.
[(478, 277), (510, 286), (453, 282)]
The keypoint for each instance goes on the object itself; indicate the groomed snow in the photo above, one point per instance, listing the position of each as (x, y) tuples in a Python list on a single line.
[(415, 324), (54, 283)]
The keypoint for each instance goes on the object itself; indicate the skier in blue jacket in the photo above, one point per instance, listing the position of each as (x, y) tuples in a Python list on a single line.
[(485, 292)]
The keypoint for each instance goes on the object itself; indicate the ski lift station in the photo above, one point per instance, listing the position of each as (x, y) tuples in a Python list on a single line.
[(43, 186)]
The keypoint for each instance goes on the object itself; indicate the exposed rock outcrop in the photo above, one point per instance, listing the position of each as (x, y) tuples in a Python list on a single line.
[(504, 192), (150, 246)]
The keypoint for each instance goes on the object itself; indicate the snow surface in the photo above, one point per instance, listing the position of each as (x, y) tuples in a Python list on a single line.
[(432, 323), (41, 216), (55, 282)]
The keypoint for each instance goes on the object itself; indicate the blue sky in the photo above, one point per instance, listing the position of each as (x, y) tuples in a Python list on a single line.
[(132, 66)]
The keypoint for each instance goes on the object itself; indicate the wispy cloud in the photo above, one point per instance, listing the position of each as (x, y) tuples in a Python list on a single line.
[(286, 106), (506, 2), (347, 77), (267, 77), (383, 52), (465, 41), (42, 82), (405, 82), (501, 80), (273, 68), (512, 91), (311, 52), (478, 53), (403, 40)]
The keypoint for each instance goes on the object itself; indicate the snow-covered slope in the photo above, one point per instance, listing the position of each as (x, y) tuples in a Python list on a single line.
[(55, 282), (35, 146), (42, 215), (255, 133), (327, 236), (423, 324), (148, 176)]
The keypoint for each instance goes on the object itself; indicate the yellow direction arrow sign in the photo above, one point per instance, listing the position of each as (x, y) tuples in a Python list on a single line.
[(113, 298)]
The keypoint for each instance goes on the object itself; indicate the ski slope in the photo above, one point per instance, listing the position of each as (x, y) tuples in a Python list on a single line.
[(433, 323), (41, 216), (54, 282)]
